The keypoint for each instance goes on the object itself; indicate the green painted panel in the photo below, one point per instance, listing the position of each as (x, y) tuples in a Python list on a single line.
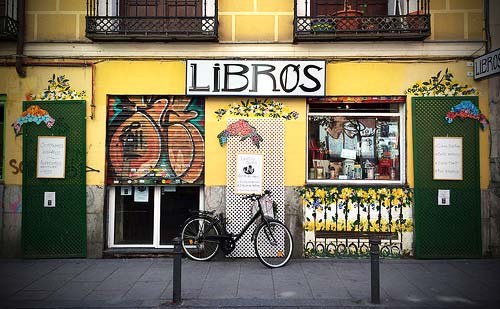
[(452, 231), (58, 231)]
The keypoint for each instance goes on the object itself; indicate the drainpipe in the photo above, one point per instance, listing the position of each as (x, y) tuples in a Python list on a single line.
[(486, 5), (20, 39)]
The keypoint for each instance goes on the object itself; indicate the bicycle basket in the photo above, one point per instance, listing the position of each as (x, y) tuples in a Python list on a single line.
[(267, 206)]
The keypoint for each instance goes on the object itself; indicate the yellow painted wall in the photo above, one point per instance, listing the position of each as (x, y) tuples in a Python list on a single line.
[(246, 20), (55, 20), (345, 78), (131, 78), (167, 77), (256, 20), (457, 20), (354, 78), (295, 141), (16, 90)]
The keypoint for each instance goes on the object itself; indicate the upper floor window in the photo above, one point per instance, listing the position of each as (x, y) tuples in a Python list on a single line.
[(8, 20), (157, 20), (361, 19)]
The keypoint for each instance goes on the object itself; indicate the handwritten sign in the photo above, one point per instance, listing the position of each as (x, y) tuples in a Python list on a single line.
[(249, 169), (51, 157), (447, 157)]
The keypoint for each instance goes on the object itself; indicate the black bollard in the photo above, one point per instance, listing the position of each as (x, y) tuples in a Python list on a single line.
[(176, 289), (375, 271)]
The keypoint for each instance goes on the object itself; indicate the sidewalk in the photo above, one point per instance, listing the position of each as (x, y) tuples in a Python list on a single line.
[(224, 282)]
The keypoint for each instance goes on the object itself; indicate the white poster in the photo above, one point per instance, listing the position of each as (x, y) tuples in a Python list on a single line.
[(447, 158), (51, 157), (49, 199), (444, 197), (141, 194), (126, 190), (249, 169)]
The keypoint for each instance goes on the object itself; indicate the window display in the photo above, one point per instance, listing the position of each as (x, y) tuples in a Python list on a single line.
[(350, 142)]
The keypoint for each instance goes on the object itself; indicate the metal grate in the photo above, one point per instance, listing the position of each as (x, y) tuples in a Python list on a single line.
[(452, 231), (59, 231), (238, 211), (8, 28), (155, 140), (8, 20)]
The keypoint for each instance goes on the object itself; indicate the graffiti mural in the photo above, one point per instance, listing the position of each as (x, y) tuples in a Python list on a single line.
[(155, 140)]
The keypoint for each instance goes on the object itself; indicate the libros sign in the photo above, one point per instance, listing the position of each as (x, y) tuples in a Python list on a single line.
[(255, 78), (487, 65)]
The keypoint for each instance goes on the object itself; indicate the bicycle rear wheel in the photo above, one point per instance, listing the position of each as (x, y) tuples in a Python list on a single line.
[(273, 244), (194, 241)]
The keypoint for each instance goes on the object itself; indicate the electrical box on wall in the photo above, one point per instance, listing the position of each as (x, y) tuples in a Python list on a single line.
[(444, 197), (49, 199)]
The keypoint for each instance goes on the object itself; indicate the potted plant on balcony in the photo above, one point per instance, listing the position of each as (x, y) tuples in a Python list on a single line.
[(346, 19)]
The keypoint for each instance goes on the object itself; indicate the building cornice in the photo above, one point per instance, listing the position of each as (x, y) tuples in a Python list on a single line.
[(338, 50)]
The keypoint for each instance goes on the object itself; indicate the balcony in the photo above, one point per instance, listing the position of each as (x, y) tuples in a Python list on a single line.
[(353, 20), (151, 20), (8, 20)]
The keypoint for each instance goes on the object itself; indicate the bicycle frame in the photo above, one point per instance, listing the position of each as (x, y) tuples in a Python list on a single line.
[(236, 237)]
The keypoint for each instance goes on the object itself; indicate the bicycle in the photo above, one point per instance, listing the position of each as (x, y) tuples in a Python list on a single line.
[(204, 233)]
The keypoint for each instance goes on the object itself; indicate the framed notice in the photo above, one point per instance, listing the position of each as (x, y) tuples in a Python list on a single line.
[(51, 157), (447, 158), (249, 173)]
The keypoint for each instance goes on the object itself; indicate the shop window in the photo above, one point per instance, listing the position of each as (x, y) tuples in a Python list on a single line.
[(149, 216), (356, 142)]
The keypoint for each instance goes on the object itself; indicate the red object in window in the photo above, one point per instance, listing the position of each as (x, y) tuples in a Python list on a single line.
[(315, 151), (384, 166)]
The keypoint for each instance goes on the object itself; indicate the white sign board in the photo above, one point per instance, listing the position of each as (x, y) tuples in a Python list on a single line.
[(447, 158), (49, 199), (249, 173), (51, 157), (487, 65), (256, 78), (444, 197)]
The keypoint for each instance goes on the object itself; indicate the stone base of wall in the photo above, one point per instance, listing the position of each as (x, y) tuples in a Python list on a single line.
[(95, 221), (490, 217), (215, 199), (11, 222)]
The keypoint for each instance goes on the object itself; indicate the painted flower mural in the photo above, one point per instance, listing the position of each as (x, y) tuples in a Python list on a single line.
[(59, 89), (467, 109), (35, 114), (441, 85), (356, 209), (240, 128), (258, 108)]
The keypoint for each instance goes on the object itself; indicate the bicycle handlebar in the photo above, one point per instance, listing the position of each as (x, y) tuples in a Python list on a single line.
[(257, 196)]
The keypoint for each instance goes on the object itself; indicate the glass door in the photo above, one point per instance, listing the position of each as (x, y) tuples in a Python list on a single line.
[(175, 206), (149, 216)]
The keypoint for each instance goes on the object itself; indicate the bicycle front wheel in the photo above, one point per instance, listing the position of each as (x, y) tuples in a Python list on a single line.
[(194, 239), (273, 244)]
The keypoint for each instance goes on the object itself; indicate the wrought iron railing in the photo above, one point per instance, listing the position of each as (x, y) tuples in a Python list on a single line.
[(327, 20), (155, 20), (9, 27)]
